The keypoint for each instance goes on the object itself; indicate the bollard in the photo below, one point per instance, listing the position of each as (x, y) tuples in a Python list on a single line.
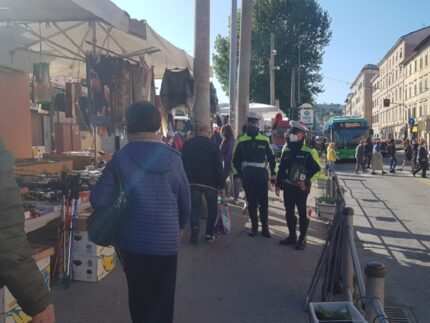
[(375, 289), (347, 264)]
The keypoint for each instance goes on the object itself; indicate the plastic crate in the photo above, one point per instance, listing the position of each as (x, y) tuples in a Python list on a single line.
[(335, 306)]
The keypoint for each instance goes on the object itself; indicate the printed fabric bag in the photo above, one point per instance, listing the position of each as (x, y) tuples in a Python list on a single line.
[(223, 222)]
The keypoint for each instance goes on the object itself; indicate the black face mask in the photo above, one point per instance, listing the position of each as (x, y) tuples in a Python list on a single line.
[(252, 129)]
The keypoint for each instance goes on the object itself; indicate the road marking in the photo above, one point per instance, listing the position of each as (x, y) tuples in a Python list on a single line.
[(422, 180)]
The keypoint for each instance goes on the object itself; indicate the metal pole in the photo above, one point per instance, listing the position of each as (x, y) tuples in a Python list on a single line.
[(347, 265), (375, 291), (233, 67), (244, 63), (293, 93), (299, 94), (201, 110), (272, 69)]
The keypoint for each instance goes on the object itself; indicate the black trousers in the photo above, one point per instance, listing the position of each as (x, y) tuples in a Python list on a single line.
[(256, 191), (294, 196), (421, 166), (151, 287)]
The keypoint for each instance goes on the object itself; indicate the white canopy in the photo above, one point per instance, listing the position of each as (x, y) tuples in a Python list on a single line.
[(268, 112), (63, 31)]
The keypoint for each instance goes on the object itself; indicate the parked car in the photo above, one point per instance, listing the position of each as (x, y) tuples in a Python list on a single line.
[(399, 144)]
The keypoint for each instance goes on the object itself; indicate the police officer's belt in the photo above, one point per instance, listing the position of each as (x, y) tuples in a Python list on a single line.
[(249, 164)]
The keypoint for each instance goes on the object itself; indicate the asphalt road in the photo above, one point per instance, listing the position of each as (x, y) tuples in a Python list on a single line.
[(392, 222)]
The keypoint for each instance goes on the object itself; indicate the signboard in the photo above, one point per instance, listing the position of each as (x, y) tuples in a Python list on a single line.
[(307, 117), (344, 125), (411, 121)]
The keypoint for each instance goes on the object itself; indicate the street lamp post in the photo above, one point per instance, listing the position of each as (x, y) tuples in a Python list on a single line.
[(272, 69)]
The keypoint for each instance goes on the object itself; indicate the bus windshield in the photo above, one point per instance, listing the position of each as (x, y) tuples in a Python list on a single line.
[(349, 138)]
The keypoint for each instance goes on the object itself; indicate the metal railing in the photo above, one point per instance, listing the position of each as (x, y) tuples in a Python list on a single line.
[(339, 264)]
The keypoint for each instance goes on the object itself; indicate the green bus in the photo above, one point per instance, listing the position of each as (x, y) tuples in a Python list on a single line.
[(346, 132)]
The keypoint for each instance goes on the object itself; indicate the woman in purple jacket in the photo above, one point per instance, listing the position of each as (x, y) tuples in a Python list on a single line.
[(158, 206), (226, 151)]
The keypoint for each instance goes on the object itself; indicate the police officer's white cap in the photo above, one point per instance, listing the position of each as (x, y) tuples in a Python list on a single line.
[(295, 125), (253, 115)]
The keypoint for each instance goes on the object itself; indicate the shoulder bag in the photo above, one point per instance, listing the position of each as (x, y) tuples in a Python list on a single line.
[(103, 224)]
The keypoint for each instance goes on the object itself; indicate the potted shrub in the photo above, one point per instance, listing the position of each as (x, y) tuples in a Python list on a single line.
[(334, 312), (326, 207)]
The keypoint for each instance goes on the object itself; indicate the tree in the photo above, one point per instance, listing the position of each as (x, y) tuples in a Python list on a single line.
[(292, 22)]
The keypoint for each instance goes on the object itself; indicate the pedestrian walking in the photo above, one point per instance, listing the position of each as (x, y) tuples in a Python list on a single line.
[(331, 155), (158, 206), (377, 163), (423, 161), (253, 152), (391, 150), (360, 157), (204, 169), (226, 150), (415, 146), (369, 152), (18, 270), (299, 164), (408, 155)]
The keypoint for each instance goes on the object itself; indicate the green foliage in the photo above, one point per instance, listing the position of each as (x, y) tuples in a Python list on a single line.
[(341, 314), (292, 22), (326, 199)]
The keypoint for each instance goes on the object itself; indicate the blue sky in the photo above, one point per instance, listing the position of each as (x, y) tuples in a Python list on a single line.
[(363, 31)]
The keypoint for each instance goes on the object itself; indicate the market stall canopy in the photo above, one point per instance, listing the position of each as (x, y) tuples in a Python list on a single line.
[(268, 112), (63, 31)]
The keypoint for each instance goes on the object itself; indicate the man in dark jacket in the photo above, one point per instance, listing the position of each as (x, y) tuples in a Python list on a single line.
[(18, 270), (369, 152), (252, 154), (203, 165), (423, 162), (391, 150), (360, 157)]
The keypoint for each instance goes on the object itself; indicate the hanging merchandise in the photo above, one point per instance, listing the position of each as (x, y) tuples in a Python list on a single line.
[(73, 91), (60, 102), (42, 90), (177, 89), (122, 91), (142, 81), (100, 83)]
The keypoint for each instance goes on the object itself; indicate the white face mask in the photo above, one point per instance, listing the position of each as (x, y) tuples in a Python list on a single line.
[(294, 138)]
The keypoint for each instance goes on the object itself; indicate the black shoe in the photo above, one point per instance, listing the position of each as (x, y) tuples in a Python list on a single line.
[(266, 233), (373, 173), (253, 233), (413, 174), (288, 241), (301, 244), (424, 176), (194, 239), (392, 171), (383, 173)]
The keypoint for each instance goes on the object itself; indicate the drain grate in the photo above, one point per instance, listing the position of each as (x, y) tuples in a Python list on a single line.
[(399, 314)]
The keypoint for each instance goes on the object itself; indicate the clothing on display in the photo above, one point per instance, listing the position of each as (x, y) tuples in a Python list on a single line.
[(177, 89), (42, 89), (73, 91)]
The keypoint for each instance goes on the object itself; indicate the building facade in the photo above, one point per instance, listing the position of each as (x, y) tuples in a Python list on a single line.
[(395, 91), (359, 101)]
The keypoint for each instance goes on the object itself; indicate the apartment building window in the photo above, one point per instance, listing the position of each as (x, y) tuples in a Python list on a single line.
[(415, 65), (420, 88), (425, 84), (426, 60), (415, 89), (421, 63), (400, 54), (406, 94)]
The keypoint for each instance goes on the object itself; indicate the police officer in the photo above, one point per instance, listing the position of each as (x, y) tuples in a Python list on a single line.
[(251, 155), (299, 164)]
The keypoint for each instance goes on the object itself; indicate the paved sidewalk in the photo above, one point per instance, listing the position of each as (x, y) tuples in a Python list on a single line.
[(235, 279)]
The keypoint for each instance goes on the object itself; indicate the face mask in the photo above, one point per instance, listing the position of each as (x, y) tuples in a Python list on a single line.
[(294, 138)]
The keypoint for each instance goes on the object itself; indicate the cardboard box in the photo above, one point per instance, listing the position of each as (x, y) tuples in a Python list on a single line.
[(11, 312), (93, 269), (82, 246)]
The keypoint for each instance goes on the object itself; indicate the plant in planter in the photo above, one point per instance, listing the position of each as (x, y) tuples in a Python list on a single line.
[(326, 207), (334, 312)]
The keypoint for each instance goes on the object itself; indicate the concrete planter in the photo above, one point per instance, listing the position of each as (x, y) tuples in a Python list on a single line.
[(344, 307), (326, 210)]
